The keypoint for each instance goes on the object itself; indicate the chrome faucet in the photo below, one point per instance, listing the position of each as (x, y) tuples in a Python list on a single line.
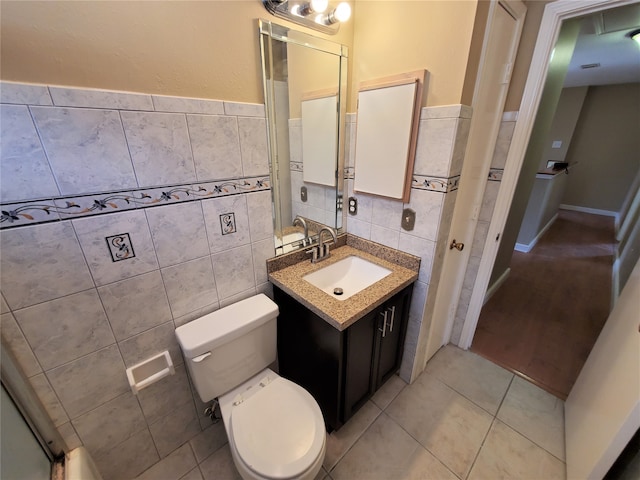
[(302, 222), (321, 251)]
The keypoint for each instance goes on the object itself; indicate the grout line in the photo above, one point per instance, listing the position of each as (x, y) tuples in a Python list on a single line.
[(481, 447), (341, 457)]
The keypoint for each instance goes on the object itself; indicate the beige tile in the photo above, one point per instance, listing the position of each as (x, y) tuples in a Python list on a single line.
[(536, 414), (88, 382), (145, 345), (322, 474), (479, 380), (12, 337), (47, 258), (176, 428), (123, 300), (507, 454), (253, 145), (194, 474), (390, 390), (69, 435), (216, 146), (340, 441), (49, 399), (174, 467), (190, 286), (160, 398), (65, 329), (111, 423), (451, 427), (209, 441), (159, 147), (233, 271), (220, 466), (71, 136), (386, 451), (128, 459)]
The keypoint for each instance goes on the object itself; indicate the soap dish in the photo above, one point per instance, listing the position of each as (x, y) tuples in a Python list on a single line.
[(150, 371)]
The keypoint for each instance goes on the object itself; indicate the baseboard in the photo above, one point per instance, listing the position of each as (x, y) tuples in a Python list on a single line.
[(527, 247), (496, 285), (594, 211)]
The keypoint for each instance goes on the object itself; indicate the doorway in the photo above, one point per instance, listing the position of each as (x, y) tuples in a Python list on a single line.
[(549, 348), (553, 17)]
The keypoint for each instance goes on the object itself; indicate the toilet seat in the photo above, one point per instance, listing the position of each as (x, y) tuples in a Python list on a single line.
[(278, 432)]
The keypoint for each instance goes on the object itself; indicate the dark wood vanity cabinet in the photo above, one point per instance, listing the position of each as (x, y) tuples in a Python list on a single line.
[(341, 369)]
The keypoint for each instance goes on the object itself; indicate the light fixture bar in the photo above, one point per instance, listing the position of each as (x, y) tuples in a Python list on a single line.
[(308, 14)]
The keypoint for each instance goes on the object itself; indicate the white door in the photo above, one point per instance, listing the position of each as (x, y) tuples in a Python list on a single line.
[(602, 411), (504, 26)]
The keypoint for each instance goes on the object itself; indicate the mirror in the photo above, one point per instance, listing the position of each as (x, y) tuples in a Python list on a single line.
[(305, 80)]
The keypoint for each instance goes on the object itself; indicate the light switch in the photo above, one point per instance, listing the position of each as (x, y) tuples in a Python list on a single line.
[(556, 144), (408, 219)]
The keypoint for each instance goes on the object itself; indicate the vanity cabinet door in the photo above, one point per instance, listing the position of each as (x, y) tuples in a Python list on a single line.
[(310, 353), (359, 377), (390, 333)]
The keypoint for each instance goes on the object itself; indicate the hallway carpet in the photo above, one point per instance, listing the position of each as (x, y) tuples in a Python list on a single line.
[(545, 318)]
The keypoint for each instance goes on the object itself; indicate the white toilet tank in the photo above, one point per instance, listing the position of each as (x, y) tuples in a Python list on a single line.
[(228, 346)]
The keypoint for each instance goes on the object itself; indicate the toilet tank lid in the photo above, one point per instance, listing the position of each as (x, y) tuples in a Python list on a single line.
[(214, 329)]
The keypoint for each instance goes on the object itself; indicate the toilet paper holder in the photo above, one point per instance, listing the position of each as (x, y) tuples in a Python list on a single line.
[(149, 371)]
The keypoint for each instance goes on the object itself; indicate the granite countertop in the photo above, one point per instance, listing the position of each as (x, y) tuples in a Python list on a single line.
[(286, 273)]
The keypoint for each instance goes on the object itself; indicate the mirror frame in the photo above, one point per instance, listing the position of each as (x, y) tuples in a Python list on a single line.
[(268, 32)]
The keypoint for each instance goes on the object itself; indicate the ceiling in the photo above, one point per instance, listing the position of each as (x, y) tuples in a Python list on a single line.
[(604, 39)]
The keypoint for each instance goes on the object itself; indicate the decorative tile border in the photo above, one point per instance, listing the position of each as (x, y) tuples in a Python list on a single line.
[(495, 174), (296, 166), (435, 184), (60, 208)]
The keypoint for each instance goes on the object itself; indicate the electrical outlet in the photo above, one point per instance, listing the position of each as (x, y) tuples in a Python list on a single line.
[(353, 206)]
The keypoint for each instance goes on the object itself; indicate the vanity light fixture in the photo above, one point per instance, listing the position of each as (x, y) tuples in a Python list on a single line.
[(311, 13), (635, 35)]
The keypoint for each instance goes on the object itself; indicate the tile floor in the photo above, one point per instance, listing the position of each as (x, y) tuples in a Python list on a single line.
[(464, 418)]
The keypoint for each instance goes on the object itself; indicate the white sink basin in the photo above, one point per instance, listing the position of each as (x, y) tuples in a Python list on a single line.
[(351, 274)]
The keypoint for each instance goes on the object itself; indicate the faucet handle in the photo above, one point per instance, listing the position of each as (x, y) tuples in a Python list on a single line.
[(314, 254)]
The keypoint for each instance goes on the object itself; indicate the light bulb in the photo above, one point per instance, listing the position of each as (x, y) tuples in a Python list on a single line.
[(342, 12), (319, 6)]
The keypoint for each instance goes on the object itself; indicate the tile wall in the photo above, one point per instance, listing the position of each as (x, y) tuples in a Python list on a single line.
[(442, 140), (124, 216), (484, 219)]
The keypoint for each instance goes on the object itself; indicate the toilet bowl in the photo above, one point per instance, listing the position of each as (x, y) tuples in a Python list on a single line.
[(275, 427)]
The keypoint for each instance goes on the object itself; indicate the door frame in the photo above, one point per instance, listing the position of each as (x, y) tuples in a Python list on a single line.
[(554, 14)]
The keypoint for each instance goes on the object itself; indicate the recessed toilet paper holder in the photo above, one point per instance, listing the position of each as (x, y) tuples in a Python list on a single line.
[(149, 371)]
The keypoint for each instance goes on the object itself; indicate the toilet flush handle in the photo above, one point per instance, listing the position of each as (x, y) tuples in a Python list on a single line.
[(200, 358)]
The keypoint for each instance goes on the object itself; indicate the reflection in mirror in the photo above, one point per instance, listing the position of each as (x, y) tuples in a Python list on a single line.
[(305, 95)]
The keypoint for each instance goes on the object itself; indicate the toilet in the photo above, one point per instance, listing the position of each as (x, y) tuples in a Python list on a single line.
[(275, 427)]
